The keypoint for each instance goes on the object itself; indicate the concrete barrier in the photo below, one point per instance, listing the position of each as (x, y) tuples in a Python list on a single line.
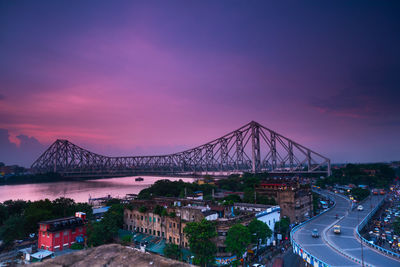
[(365, 241)]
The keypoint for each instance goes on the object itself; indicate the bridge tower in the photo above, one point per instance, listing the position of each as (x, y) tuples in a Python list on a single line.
[(255, 147)]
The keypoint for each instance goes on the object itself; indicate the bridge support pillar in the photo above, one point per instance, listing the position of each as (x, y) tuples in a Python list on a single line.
[(255, 147)]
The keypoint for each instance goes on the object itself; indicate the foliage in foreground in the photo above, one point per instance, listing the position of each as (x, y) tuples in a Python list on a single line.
[(237, 239), (172, 251), (199, 235), (104, 231), (19, 218)]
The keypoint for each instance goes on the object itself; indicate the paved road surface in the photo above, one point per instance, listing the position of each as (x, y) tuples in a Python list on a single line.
[(346, 241)]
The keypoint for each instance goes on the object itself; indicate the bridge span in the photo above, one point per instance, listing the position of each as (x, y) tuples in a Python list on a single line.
[(251, 148), (341, 249)]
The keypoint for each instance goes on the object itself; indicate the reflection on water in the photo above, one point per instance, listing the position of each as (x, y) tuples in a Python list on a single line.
[(79, 190)]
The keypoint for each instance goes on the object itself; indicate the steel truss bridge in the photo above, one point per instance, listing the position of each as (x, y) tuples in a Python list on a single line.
[(251, 148)]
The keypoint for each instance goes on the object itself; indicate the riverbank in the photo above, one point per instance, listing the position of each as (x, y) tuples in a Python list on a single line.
[(79, 190)]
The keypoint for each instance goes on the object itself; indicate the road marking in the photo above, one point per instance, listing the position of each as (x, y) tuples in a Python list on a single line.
[(314, 245), (351, 249), (343, 236)]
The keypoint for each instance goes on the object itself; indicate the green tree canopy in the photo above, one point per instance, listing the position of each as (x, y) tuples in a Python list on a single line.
[(237, 239), (200, 236), (12, 229), (282, 226), (172, 251), (259, 230)]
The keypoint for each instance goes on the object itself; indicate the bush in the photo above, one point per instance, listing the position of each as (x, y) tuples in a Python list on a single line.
[(126, 239), (77, 246), (142, 209)]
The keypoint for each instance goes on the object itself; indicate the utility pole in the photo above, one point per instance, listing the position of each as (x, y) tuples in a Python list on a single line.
[(361, 244)]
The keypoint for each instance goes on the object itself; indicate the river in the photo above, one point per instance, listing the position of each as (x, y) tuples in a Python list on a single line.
[(80, 191)]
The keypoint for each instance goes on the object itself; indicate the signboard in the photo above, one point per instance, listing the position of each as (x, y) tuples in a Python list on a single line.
[(279, 236)]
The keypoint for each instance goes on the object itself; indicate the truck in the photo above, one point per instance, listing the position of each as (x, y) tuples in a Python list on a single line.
[(336, 229)]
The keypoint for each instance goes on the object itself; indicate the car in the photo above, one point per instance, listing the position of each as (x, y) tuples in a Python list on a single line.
[(314, 233), (336, 229), (360, 208)]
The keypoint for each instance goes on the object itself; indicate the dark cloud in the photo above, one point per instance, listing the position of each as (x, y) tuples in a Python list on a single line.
[(2, 97), (24, 154), (373, 93)]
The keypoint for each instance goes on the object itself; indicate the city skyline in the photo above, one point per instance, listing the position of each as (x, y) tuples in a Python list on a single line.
[(145, 78)]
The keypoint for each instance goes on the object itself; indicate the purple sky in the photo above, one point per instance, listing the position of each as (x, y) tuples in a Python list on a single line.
[(149, 77)]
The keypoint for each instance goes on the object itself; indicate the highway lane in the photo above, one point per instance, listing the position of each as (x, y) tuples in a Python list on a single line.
[(348, 242), (326, 247)]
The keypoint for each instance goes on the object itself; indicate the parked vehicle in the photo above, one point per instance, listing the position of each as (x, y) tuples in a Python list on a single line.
[(360, 208)]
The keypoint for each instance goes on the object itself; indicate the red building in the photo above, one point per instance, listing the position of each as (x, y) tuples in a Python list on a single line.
[(61, 233)]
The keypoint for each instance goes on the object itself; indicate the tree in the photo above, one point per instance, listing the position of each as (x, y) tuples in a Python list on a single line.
[(282, 226), (126, 239), (200, 236), (142, 209), (172, 251), (259, 230), (103, 232), (248, 195), (158, 210), (12, 229), (233, 197), (237, 239)]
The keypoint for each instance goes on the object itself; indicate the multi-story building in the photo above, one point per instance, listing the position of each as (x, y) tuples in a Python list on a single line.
[(141, 217), (61, 233), (294, 199)]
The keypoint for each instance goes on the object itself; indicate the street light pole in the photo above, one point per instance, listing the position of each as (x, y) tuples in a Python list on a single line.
[(362, 249)]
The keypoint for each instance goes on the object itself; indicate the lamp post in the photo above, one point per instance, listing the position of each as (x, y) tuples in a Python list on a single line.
[(361, 244)]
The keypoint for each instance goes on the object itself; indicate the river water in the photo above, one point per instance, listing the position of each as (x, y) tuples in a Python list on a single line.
[(80, 191)]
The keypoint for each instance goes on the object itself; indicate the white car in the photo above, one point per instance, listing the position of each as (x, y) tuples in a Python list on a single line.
[(360, 208)]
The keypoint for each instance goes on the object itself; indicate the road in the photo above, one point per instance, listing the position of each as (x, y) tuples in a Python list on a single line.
[(327, 247)]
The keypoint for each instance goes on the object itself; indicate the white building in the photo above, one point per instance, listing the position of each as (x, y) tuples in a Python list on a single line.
[(270, 216)]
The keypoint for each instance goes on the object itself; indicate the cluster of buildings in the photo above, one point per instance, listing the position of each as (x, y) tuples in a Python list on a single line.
[(11, 170), (165, 218), (141, 217)]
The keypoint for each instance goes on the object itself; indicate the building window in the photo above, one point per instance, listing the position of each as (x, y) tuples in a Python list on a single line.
[(162, 234), (43, 234), (154, 232), (170, 224), (158, 233), (145, 230), (57, 234), (174, 225), (141, 218), (48, 235), (130, 216), (170, 239)]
